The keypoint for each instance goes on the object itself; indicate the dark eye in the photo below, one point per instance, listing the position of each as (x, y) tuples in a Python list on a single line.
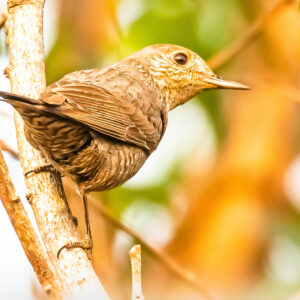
[(180, 58)]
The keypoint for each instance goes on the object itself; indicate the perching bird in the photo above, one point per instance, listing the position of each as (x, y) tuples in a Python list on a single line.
[(99, 126)]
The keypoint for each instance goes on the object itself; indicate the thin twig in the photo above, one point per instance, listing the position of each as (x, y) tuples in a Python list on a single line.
[(136, 269), (6, 148), (186, 276), (3, 18), (250, 34), (23, 227)]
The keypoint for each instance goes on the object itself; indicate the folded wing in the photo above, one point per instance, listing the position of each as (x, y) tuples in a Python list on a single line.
[(104, 112)]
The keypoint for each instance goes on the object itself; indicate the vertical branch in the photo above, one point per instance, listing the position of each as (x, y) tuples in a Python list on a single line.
[(26, 72), (136, 267), (28, 238)]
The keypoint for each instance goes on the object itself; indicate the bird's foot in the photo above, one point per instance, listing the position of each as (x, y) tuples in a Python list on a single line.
[(86, 245), (40, 169)]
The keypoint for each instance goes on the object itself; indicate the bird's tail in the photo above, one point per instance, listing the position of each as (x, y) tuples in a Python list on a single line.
[(24, 105), (16, 100)]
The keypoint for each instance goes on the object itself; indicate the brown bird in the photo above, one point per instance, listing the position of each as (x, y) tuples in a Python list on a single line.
[(99, 126)]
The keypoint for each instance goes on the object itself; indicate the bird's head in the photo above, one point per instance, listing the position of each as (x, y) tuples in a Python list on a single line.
[(180, 73)]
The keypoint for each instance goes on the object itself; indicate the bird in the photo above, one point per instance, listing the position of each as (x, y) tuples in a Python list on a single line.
[(99, 126)]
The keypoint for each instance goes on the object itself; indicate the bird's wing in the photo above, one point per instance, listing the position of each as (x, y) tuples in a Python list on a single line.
[(119, 117)]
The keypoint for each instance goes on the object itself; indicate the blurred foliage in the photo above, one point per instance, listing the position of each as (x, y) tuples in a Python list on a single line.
[(191, 23), (128, 196), (82, 44)]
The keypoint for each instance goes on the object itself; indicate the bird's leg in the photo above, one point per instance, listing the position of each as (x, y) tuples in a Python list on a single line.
[(88, 240), (87, 243)]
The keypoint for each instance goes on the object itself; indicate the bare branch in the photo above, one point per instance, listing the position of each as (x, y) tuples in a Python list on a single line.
[(3, 18), (136, 269), (6, 148), (26, 72), (183, 274), (32, 246), (251, 34)]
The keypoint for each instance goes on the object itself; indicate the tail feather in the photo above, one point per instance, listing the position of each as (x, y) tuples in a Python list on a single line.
[(21, 103), (13, 98), (26, 106)]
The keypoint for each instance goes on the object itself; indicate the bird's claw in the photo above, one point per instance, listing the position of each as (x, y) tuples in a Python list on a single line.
[(40, 169), (86, 245)]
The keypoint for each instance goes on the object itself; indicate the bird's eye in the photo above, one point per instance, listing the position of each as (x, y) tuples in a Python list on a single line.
[(180, 58)]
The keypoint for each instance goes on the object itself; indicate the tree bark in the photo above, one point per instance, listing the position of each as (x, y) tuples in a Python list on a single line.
[(26, 72)]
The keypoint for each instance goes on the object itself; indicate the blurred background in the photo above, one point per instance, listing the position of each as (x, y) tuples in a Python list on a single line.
[(220, 197)]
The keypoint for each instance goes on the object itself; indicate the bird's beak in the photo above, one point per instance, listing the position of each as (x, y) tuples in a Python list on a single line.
[(220, 83)]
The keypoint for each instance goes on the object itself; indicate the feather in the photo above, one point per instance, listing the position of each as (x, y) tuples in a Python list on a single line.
[(110, 113)]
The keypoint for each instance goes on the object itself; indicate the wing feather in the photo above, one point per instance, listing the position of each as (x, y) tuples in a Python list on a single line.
[(96, 107)]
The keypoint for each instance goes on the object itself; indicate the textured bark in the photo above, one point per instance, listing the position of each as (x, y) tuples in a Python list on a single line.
[(32, 246), (136, 268), (26, 72)]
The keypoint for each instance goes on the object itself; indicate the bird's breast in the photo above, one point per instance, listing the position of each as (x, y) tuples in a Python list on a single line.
[(104, 164)]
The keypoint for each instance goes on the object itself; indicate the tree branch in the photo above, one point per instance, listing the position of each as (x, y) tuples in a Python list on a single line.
[(251, 33), (7, 149), (45, 191), (32, 246), (3, 18), (136, 269)]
